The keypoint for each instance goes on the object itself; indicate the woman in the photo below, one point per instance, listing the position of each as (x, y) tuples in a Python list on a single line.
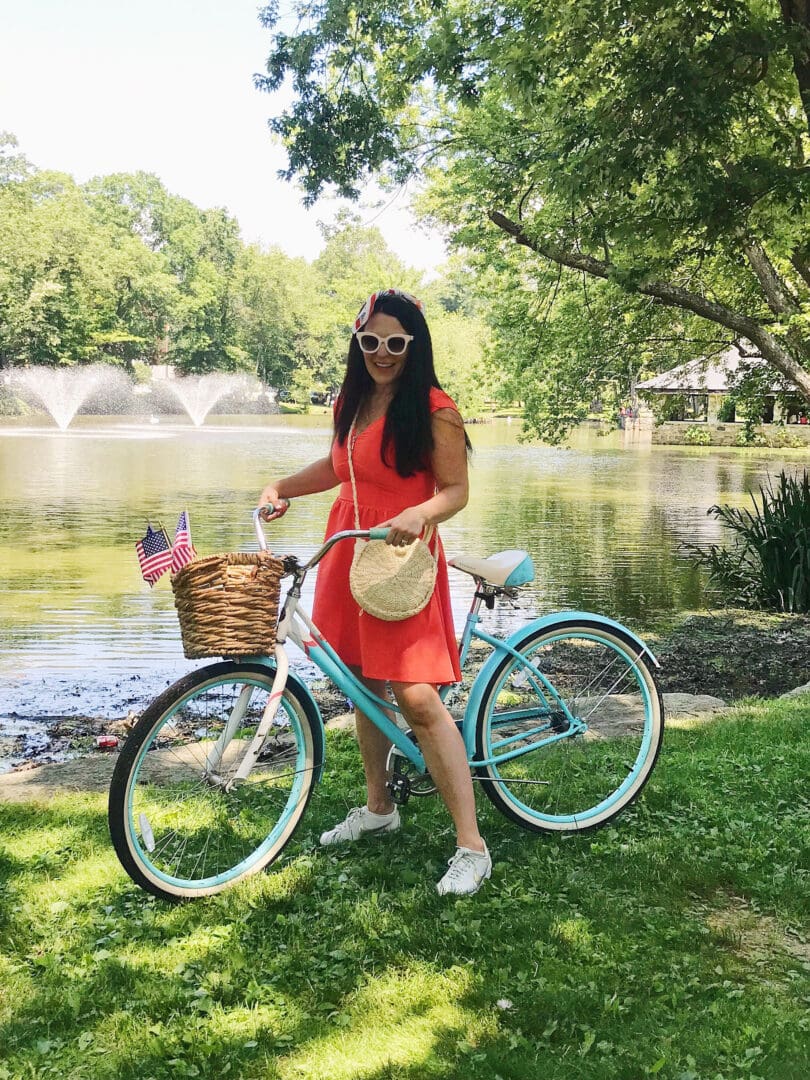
[(409, 453)]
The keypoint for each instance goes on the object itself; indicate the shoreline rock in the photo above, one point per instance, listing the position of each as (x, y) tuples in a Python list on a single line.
[(798, 691)]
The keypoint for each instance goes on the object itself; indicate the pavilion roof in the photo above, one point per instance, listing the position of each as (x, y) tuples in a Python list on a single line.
[(703, 375)]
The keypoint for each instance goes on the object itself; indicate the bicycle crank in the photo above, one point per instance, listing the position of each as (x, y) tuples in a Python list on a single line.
[(406, 779)]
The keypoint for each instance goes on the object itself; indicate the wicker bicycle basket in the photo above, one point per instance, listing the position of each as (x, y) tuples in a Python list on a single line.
[(228, 604)]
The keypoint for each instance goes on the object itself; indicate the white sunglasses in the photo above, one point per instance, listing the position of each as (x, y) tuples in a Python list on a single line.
[(395, 344)]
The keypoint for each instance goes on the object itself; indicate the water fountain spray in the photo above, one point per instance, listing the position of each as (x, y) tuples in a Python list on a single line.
[(64, 390), (198, 394)]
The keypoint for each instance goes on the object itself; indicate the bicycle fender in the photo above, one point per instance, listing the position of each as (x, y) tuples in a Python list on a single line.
[(311, 705), (515, 640)]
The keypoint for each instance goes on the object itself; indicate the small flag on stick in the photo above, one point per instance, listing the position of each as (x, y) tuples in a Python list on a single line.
[(154, 554), (183, 551)]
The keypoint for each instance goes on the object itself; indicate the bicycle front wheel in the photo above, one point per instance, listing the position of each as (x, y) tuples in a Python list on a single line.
[(569, 733), (180, 826)]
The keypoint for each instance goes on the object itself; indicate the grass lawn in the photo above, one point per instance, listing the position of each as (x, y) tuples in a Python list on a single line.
[(673, 943)]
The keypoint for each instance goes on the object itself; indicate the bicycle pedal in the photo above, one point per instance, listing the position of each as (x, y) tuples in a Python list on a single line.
[(400, 788)]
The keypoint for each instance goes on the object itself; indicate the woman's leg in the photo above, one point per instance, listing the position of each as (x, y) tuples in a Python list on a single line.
[(374, 750), (445, 756)]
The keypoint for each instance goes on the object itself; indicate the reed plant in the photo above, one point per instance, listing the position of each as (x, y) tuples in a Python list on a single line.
[(768, 564)]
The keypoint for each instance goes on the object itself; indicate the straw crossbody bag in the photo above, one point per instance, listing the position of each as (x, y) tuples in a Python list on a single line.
[(390, 583)]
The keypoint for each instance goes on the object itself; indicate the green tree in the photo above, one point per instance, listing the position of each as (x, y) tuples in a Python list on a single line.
[(14, 166), (355, 261), (57, 296), (138, 204), (562, 342), (194, 308), (77, 283), (132, 210), (660, 152), (120, 269), (459, 344), (204, 336), (269, 324)]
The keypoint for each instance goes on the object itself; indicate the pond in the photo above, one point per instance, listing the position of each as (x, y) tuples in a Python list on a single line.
[(604, 520)]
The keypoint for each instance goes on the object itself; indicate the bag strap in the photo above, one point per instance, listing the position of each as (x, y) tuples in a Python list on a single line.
[(427, 536), (349, 443)]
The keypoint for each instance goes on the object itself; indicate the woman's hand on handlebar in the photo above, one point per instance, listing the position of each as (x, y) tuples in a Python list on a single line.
[(270, 498)]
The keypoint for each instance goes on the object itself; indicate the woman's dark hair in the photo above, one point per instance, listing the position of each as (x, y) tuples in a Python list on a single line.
[(407, 423)]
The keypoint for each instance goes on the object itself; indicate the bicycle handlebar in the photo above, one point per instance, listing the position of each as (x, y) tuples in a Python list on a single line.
[(378, 533)]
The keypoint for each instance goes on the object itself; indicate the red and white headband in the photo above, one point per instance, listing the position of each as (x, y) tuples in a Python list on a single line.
[(366, 310)]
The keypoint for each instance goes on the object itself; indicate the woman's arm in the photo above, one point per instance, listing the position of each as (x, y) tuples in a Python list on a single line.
[(319, 476), (449, 466)]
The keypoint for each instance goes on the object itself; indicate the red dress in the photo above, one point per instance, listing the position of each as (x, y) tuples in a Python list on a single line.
[(420, 649)]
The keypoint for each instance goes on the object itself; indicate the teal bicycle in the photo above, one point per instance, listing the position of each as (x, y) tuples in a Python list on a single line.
[(562, 725)]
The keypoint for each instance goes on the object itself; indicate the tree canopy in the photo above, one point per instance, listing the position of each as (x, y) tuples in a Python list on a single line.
[(660, 153)]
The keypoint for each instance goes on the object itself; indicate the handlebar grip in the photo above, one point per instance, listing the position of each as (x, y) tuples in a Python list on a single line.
[(274, 510), (258, 516), (378, 534)]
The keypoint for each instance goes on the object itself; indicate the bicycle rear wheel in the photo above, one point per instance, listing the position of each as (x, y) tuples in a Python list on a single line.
[(179, 827), (569, 733)]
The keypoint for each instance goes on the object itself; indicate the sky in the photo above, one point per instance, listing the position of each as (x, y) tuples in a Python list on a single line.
[(93, 87)]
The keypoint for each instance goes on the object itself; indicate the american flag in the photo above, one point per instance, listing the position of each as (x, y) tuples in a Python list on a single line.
[(154, 554), (183, 551)]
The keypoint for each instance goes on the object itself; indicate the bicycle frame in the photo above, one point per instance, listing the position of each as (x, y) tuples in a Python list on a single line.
[(296, 625)]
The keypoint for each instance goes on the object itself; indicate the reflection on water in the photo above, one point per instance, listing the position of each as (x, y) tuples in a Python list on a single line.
[(81, 632)]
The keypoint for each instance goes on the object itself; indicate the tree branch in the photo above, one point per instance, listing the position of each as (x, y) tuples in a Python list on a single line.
[(802, 268), (769, 346), (778, 293), (796, 15)]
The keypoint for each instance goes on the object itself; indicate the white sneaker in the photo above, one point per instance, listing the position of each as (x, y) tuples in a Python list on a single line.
[(467, 872), (361, 822)]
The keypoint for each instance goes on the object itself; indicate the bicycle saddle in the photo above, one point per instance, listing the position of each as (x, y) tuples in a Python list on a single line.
[(508, 568)]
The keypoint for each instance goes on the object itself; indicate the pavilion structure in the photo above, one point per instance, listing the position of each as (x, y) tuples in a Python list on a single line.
[(704, 383)]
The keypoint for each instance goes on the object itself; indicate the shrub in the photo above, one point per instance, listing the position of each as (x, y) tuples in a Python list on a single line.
[(697, 436), (784, 438), (749, 436), (141, 373), (769, 564), (667, 407)]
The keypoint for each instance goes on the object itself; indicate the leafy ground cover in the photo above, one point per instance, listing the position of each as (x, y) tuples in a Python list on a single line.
[(672, 943)]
